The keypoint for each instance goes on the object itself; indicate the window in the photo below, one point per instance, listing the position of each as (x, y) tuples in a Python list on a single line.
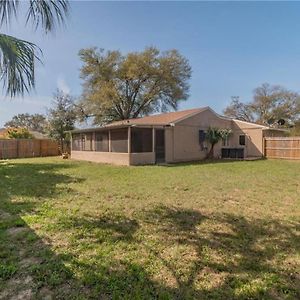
[(119, 140), (225, 142), (202, 137), (101, 141), (141, 140), (242, 140)]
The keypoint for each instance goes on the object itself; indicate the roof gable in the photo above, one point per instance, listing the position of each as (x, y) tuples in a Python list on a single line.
[(160, 119)]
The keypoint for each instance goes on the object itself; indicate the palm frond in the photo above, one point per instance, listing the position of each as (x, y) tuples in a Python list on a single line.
[(8, 8), (17, 58), (47, 13)]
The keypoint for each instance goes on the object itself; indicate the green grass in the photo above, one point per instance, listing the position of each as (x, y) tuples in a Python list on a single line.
[(77, 230)]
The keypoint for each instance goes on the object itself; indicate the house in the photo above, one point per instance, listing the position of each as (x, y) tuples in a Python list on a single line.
[(170, 137)]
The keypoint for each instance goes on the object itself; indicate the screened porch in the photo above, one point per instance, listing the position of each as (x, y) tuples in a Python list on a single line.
[(129, 145)]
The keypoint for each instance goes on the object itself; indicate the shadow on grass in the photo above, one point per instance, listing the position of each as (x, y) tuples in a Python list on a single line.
[(236, 258), (210, 162), (205, 256), (29, 269)]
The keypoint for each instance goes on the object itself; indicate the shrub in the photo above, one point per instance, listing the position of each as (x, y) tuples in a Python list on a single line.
[(18, 133)]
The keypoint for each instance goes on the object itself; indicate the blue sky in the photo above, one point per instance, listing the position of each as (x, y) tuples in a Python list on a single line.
[(232, 47)]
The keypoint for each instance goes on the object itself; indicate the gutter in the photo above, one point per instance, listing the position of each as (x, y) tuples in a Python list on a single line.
[(119, 126)]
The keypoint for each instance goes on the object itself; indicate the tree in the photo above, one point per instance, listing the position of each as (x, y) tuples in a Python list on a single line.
[(270, 104), (213, 136), (17, 57), (61, 117), (18, 133), (118, 87), (34, 122), (239, 110), (295, 130)]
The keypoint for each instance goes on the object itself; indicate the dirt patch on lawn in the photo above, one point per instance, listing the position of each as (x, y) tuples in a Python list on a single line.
[(4, 215), (29, 261), (18, 289), (13, 231)]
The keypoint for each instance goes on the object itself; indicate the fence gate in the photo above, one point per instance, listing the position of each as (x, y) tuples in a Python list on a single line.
[(282, 147)]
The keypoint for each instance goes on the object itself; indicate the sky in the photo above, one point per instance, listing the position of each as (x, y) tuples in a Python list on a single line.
[(232, 47)]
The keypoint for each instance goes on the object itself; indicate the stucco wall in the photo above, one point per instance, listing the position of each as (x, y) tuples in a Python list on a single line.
[(183, 143), (186, 136), (146, 158), (254, 138), (205, 119), (186, 144), (102, 157)]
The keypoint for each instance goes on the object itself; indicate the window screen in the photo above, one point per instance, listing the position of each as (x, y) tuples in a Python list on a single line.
[(141, 140), (119, 140), (225, 141), (76, 142), (101, 141), (88, 141), (242, 140)]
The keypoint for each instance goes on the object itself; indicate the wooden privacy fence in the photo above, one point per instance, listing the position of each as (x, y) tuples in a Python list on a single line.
[(282, 147), (17, 148)]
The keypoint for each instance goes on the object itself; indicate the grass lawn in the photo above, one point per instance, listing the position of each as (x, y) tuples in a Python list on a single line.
[(78, 230)]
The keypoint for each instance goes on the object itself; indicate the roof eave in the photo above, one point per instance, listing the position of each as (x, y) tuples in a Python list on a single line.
[(276, 129), (118, 126)]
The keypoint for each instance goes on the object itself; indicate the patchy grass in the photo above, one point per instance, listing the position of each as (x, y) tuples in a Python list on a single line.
[(77, 230)]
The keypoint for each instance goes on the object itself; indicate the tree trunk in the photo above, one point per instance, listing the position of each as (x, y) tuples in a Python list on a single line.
[(210, 154), (62, 146)]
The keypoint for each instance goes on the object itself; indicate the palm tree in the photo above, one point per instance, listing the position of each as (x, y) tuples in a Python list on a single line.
[(213, 136), (17, 57)]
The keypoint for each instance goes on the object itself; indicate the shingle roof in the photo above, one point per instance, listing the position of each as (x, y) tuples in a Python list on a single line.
[(159, 119)]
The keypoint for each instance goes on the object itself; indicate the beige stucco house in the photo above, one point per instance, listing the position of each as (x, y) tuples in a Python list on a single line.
[(170, 138)]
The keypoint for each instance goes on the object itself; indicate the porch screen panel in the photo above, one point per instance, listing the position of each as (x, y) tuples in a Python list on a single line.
[(101, 141), (88, 141), (76, 142), (141, 140), (119, 140)]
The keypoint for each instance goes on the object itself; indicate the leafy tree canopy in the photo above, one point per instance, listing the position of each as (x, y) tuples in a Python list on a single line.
[(33, 122), (18, 133), (118, 87), (61, 117), (295, 130), (270, 104)]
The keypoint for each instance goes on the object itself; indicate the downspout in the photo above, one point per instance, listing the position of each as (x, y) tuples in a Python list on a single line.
[(109, 141), (129, 145), (173, 141)]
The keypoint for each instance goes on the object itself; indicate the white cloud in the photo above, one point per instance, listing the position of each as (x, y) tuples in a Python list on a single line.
[(62, 85)]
